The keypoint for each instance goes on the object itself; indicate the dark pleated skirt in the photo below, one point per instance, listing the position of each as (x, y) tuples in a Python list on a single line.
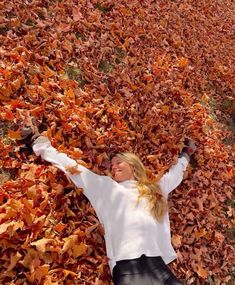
[(143, 271)]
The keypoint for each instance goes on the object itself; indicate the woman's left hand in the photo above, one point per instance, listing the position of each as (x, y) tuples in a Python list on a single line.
[(29, 128), (190, 147)]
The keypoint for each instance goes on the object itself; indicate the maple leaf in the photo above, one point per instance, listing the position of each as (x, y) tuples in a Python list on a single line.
[(11, 227), (202, 272), (41, 244), (177, 240), (15, 257)]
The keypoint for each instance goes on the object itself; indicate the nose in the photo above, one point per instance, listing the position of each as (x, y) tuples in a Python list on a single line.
[(113, 168)]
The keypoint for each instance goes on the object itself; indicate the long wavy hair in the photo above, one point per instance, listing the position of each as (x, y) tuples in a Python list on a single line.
[(157, 204)]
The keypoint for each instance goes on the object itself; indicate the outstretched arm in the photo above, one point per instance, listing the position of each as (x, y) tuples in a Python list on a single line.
[(174, 176), (95, 187)]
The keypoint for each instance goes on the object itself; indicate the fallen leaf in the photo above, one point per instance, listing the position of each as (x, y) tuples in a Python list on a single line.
[(72, 169)]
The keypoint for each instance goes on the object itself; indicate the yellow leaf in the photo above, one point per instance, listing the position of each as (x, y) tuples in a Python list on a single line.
[(66, 272), (69, 242), (12, 207), (230, 173), (11, 226), (152, 158), (199, 234), (202, 272), (70, 213), (42, 243), (79, 250), (26, 243), (49, 282), (177, 240), (32, 192)]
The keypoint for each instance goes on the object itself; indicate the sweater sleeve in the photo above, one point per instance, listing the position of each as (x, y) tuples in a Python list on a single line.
[(171, 179), (96, 188)]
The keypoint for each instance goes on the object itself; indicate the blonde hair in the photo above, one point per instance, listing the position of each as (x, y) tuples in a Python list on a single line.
[(156, 202)]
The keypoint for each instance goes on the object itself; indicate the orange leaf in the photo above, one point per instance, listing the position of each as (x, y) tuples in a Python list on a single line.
[(60, 227), (203, 273), (156, 71), (183, 62), (165, 109), (35, 80), (14, 134), (8, 115), (58, 134), (41, 272), (14, 259), (48, 71), (4, 98), (6, 91), (15, 22), (70, 93), (230, 173)]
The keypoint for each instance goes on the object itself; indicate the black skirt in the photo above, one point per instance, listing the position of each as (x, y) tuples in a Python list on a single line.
[(143, 271)]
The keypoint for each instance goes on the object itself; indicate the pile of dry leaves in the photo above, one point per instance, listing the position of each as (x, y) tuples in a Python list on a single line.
[(104, 76)]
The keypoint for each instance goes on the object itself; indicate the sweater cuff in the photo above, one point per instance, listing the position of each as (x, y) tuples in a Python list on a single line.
[(40, 139), (184, 154)]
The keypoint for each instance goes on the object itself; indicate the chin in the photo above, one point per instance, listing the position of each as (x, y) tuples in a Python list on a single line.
[(117, 179)]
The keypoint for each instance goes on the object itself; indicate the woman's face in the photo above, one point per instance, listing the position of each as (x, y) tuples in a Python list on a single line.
[(121, 170)]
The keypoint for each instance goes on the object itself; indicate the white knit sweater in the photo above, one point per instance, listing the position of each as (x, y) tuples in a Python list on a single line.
[(130, 230)]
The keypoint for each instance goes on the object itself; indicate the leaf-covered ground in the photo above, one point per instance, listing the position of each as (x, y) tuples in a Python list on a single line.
[(104, 76)]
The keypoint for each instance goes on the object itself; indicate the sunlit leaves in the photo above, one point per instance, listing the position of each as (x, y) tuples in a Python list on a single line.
[(107, 76)]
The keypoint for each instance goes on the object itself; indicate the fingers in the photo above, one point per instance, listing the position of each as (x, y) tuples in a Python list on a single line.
[(25, 131), (28, 126), (35, 136)]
